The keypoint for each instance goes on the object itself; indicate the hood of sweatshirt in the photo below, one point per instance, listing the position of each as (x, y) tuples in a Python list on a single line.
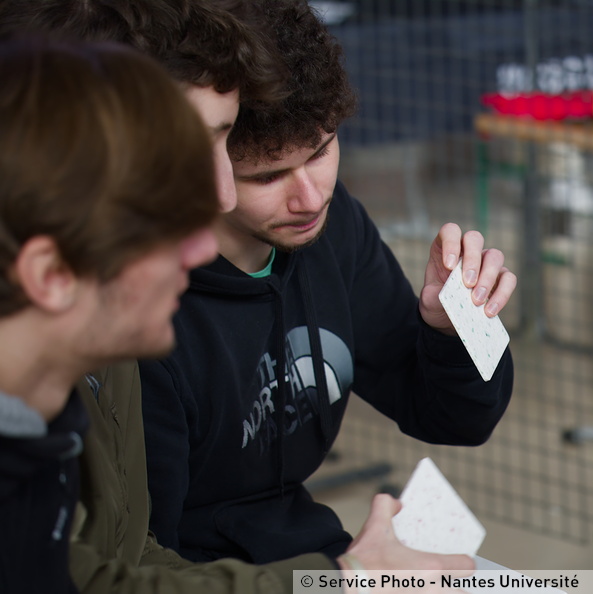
[(28, 443), (38, 493), (18, 420)]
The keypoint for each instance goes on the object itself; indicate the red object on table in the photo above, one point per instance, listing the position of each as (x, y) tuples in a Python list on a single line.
[(543, 106)]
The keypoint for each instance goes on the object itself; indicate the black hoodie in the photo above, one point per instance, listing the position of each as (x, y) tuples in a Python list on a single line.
[(38, 495), (224, 479)]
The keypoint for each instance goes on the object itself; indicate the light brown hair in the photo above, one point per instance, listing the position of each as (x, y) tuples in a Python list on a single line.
[(99, 150)]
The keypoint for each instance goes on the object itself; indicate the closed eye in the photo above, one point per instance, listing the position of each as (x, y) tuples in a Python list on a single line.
[(268, 179), (324, 151)]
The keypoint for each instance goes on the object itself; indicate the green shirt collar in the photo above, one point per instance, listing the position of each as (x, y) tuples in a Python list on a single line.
[(267, 270)]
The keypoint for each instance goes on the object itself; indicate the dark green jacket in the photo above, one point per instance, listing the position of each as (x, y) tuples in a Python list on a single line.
[(112, 550)]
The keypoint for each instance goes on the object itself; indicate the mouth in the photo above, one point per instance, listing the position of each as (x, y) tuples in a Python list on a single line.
[(305, 225)]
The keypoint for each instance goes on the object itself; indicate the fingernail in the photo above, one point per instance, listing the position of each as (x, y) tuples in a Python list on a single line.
[(451, 261), (492, 308), (480, 294), (470, 277)]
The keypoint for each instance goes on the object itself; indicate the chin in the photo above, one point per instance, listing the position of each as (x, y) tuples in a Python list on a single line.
[(159, 348), (290, 247), (295, 247)]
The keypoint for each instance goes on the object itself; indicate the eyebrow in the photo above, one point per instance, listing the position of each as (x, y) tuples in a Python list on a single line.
[(272, 172)]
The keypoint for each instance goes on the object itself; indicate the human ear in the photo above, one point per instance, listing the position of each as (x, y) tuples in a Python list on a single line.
[(44, 277)]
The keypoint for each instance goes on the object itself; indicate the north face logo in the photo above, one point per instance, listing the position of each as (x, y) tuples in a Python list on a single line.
[(301, 400)]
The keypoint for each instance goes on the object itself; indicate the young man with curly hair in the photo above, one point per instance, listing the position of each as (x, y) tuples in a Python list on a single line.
[(304, 304), (100, 224), (112, 549)]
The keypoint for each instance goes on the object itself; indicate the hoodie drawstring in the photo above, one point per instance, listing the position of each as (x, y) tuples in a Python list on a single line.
[(317, 356), (281, 374), (318, 366)]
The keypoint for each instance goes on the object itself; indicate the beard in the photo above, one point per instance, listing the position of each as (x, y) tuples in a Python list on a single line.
[(289, 248)]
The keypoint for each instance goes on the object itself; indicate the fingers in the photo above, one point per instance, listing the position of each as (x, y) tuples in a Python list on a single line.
[(489, 272), (377, 549), (454, 244), (484, 272), (449, 238), (383, 508), (473, 245), (495, 283), (503, 289)]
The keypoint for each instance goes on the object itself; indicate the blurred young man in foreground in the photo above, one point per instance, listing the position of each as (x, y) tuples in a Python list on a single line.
[(106, 196)]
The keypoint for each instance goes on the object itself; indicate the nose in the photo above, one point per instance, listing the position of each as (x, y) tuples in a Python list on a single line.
[(199, 249), (305, 194), (225, 182)]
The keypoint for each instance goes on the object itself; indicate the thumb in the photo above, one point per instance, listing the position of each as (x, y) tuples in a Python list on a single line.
[(378, 523), (383, 508)]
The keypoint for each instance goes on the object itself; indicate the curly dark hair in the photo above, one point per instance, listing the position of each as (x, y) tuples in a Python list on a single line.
[(320, 96), (200, 42)]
